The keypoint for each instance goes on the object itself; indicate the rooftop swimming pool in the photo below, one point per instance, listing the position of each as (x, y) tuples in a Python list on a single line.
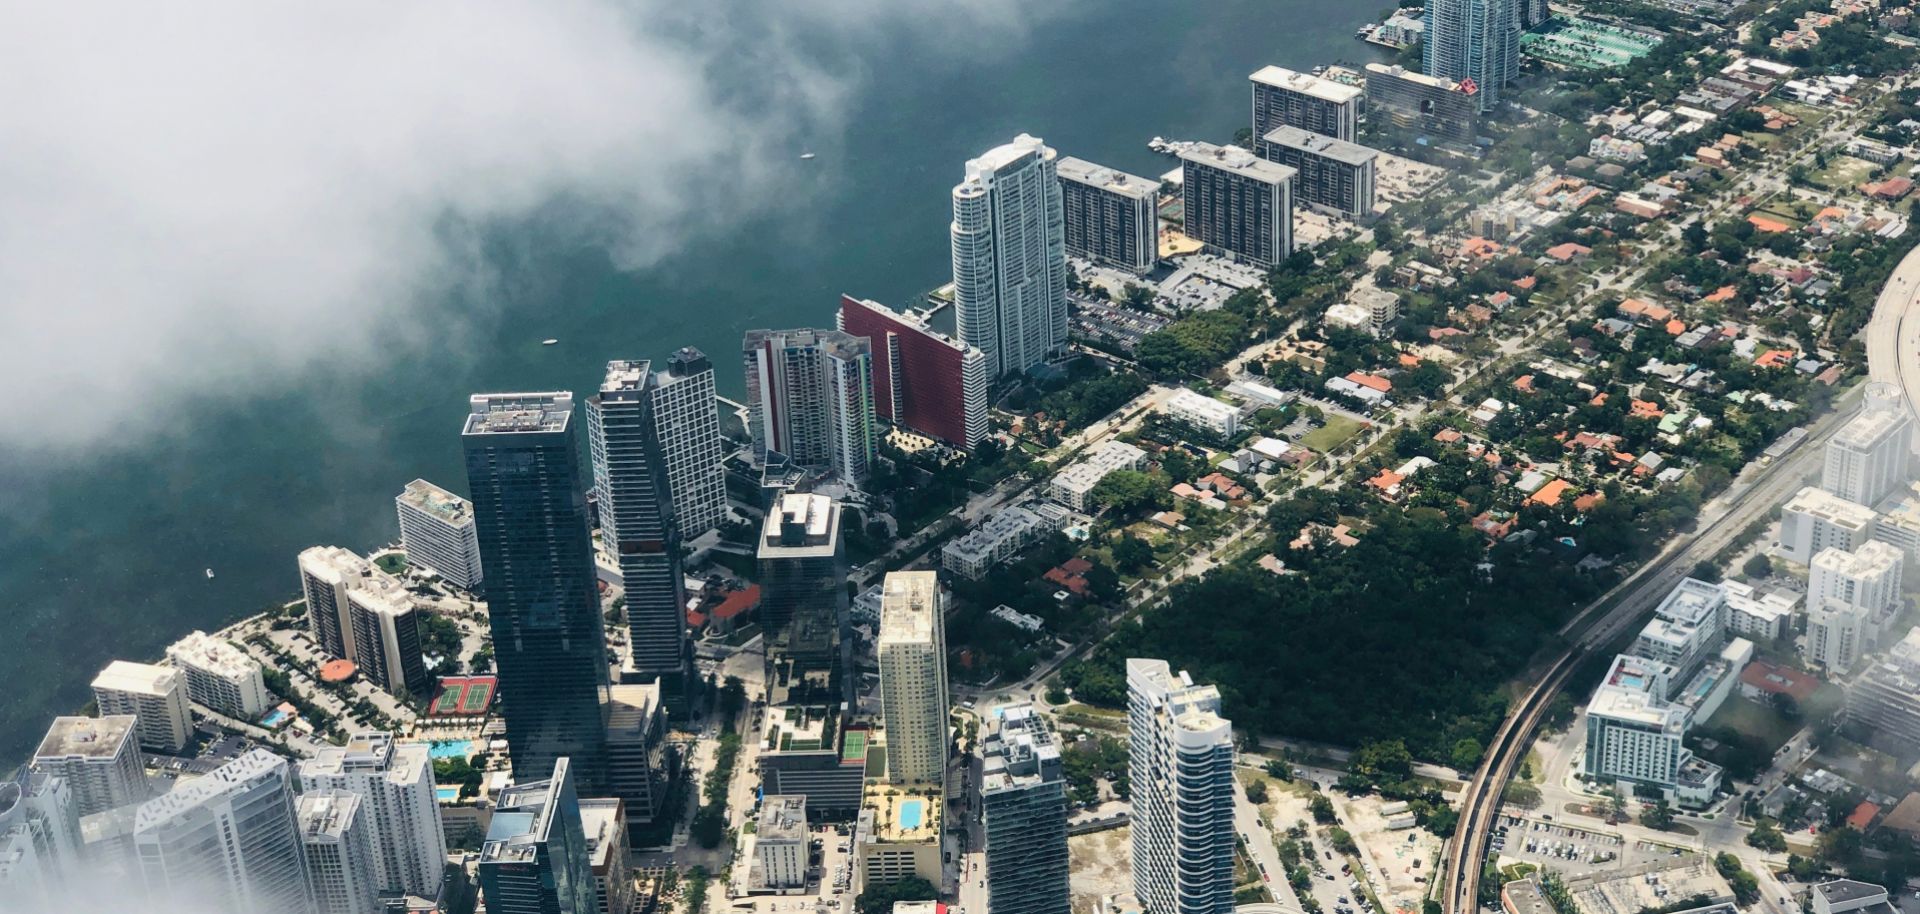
[(911, 814), (450, 748)]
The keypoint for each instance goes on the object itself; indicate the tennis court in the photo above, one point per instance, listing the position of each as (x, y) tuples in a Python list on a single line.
[(463, 696)]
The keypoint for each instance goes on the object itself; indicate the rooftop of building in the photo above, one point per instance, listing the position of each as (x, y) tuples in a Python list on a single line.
[(1189, 400), (1692, 602), (193, 793), (1112, 180), (1097, 463), (87, 737), (433, 500), (1306, 84), (632, 709), (1779, 679), (801, 524), (1872, 558), (1843, 891), (1236, 161), (601, 820), (903, 815), (1869, 426), (912, 320), (1017, 750), (1628, 694), (909, 607), (519, 413), (992, 162), (212, 654), (1321, 145), (522, 819), (140, 678), (1399, 72), (1832, 508), (782, 818), (327, 815)]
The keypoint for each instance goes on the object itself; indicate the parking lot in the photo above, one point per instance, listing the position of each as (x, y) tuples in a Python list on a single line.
[(1544, 842)]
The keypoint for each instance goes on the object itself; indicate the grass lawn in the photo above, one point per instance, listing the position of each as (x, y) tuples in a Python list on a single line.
[(1843, 172), (392, 562), (1337, 430), (1746, 716)]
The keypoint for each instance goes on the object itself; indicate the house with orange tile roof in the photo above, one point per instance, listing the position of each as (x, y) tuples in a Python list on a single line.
[(1523, 383), (1774, 358), (1676, 327), (1409, 360), (1373, 381), (1549, 494), (1646, 409), (1722, 294), (1599, 399), (1767, 224), (1447, 435), (1526, 283), (1589, 501), (1478, 248), (1568, 252), (1387, 481)]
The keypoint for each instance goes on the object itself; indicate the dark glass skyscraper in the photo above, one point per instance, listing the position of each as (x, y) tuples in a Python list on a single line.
[(536, 859), (803, 601), (530, 509)]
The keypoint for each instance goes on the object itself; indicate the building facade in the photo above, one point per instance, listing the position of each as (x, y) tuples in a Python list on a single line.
[(1883, 701), (803, 601), (436, 529), (686, 416), (40, 849), (98, 758), (1332, 173), (220, 676), (1180, 765), (1023, 805), (810, 398), (780, 845), (226, 842), (394, 782), (1815, 519), (1284, 98), (912, 651), (637, 523), (360, 613), (1072, 485), (1475, 43), (1204, 413), (333, 836), (636, 750), (535, 859), (1109, 217), (1009, 256), (1871, 455), (1435, 107), (604, 821), (530, 507), (923, 380), (157, 695), (1238, 203)]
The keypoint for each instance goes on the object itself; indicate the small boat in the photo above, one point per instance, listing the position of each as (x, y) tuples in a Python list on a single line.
[(548, 342), (209, 572), (806, 156)]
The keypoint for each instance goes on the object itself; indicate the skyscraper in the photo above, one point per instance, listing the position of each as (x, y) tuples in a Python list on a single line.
[(39, 839), (688, 421), (360, 613), (157, 695), (1331, 173), (637, 522), (394, 782), (333, 835), (1238, 203), (1475, 43), (530, 508), (227, 842), (1109, 216), (98, 757), (923, 379), (1872, 453), (535, 859), (1009, 256), (1180, 764), (1023, 802), (913, 677), (810, 398), (436, 529), (1284, 98), (636, 749), (803, 600)]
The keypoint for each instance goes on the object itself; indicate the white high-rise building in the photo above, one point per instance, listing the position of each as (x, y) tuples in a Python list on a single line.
[(1633, 733), (437, 530), (1815, 519), (333, 836), (688, 419), (39, 840), (226, 842), (810, 398), (637, 524), (1870, 455), (1836, 634), (913, 677), (395, 784), (99, 759), (157, 695), (1867, 577), (220, 676), (1010, 256), (1181, 767)]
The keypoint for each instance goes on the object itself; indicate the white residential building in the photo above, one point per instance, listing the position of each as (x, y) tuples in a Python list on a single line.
[(220, 676), (227, 842), (1837, 635), (1180, 764), (1203, 412), (1001, 537), (1868, 577), (780, 840), (1636, 736), (1071, 485), (436, 529), (333, 836), (40, 850), (1237, 203), (1685, 629), (913, 677), (686, 417), (1009, 256), (99, 759), (157, 695), (395, 784), (359, 613), (1870, 455), (1815, 519), (1751, 614)]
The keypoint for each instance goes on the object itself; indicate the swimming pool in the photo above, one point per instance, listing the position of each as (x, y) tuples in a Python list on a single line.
[(446, 794), (450, 748), (911, 812)]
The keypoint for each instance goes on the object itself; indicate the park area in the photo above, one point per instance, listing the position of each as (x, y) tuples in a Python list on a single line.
[(1586, 45)]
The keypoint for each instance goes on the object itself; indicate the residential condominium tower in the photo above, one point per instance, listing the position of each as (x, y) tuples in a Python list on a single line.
[(360, 613), (1180, 765), (1284, 98), (220, 676), (1870, 456), (810, 398), (226, 842), (637, 523), (923, 379), (394, 782), (99, 759), (40, 850), (1023, 803), (333, 836), (535, 859), (157, 695), (1238, 203), (1009, 256), (912, 651), (1475, 43), (1110, 217), (686, 416), (1332, 173), (543, 605), (436, 529)]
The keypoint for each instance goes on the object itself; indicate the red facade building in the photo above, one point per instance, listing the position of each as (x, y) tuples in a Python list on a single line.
[(923, 380)]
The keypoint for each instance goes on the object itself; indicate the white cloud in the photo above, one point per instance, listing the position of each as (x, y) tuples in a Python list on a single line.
[(197, 196)]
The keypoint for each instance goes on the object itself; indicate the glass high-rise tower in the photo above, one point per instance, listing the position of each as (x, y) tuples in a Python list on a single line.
[(1475, 43), (530, 508), (1010, 256)]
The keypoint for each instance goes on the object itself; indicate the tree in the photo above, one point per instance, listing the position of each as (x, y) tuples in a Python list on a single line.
[(1466, 754), (1758, 567), (1767, 837), (880, 899), (1657, 816), (1322, 809), (1131, 553), (1746, 888), (1124, 491), (1616, 805), (1257, 792), (1342, 840), (1707, 571), (1279, 770)]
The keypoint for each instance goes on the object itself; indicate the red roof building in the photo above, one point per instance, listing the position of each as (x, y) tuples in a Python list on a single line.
[(922, 379)]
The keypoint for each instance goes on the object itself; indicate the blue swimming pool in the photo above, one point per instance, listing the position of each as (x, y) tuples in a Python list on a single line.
[(911, 812), (450, 748), (446, 794)]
